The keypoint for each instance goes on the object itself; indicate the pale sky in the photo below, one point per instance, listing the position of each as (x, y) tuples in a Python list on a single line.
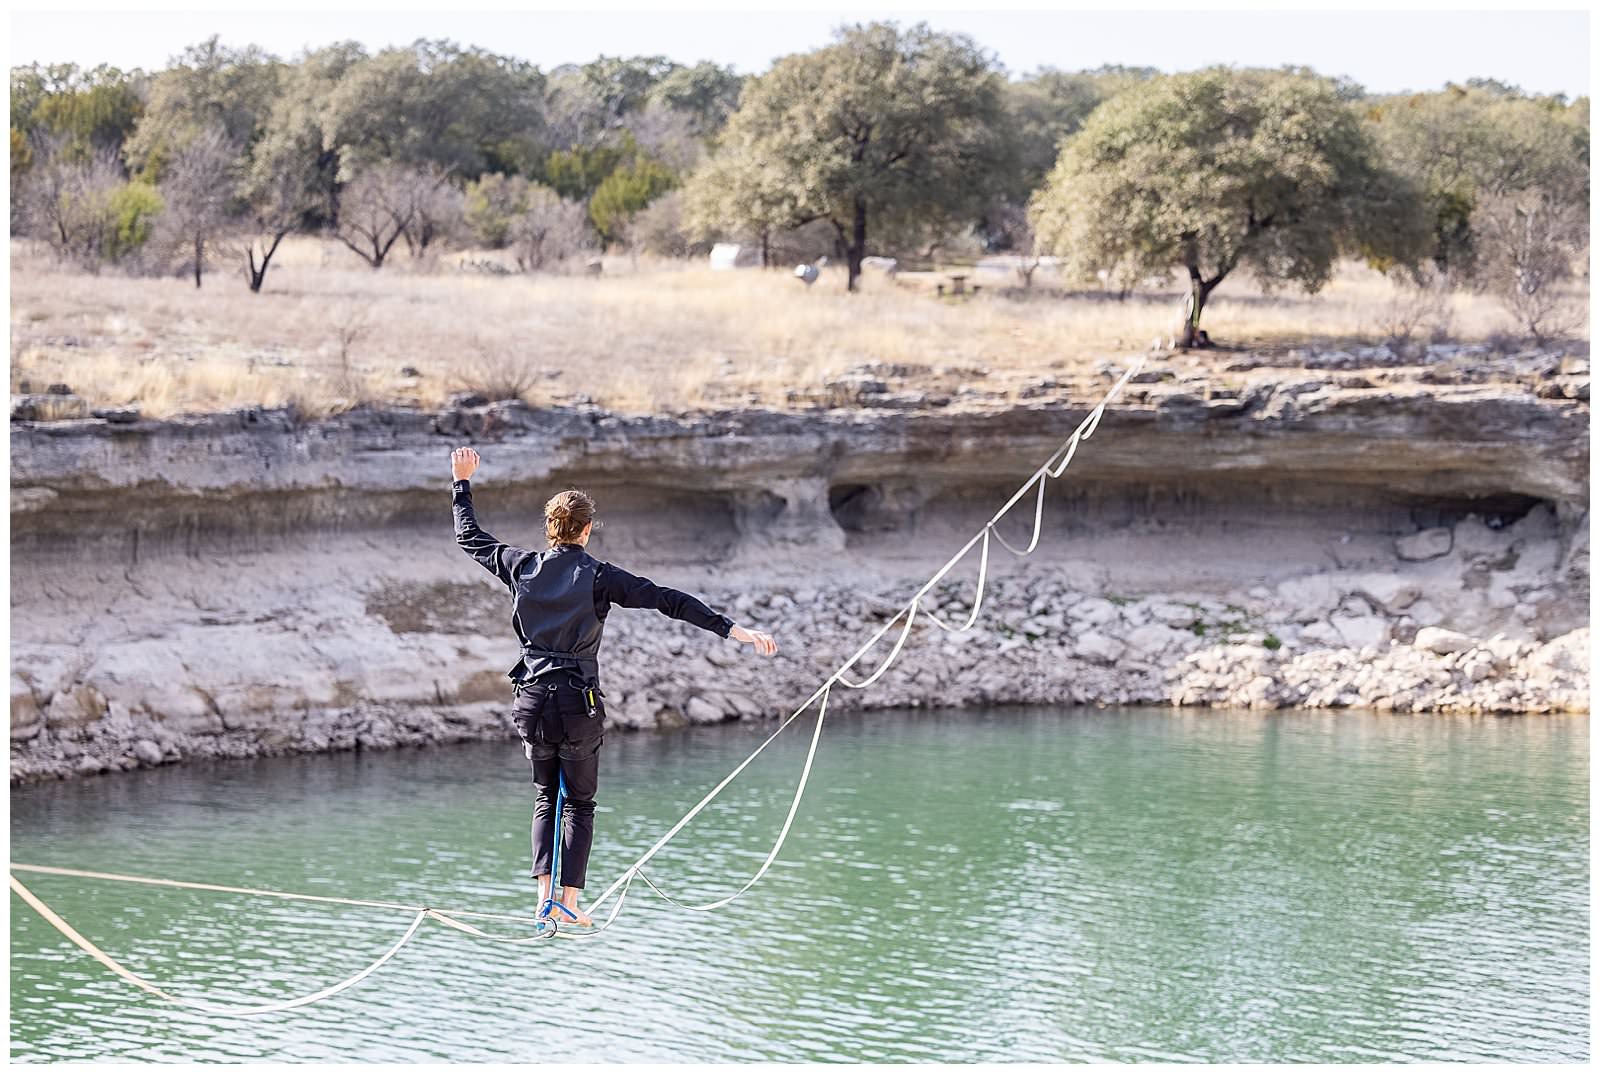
[(1544, 52)]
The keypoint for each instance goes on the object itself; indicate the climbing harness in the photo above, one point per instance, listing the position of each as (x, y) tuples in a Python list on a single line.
[(546, 923)]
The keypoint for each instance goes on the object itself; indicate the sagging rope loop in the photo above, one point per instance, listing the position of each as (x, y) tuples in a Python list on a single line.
[(910, 613), (783, 833), (1038, 523), (977, 600)]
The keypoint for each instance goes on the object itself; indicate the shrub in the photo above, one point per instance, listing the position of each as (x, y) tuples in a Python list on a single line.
[(131, 213), (577, 173), (625, 192), (659, 228), (549, 231), (493, 203)]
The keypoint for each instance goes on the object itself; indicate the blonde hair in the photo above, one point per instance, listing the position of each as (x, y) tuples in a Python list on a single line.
[(565, 515)]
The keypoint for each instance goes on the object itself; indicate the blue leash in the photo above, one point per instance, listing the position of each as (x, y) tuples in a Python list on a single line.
[(551, 903)]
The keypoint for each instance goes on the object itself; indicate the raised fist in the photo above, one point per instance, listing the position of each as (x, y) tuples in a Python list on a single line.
[(463, 463)]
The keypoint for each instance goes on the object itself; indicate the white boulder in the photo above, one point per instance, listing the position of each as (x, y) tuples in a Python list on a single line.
[(1360, 631), (1423, 545), (1442, 641), (1098, 647)]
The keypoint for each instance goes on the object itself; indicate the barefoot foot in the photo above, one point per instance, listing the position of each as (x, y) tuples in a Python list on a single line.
[(574, 915)]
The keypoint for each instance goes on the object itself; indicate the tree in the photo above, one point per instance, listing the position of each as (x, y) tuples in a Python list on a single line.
[(1049, 106), (297, 135), (1506, 179), (67, 201), (738, 194), (705, 94), (575, 115), (199, 188), (207, 86), (1009, 223), (577, 173), (549, 230), (625, 192), (1532, 238), (1219, 168), (623, 84), (131, 211), (882, 129), (666, 136), (94, 109), (378, 206), (438, 215), (434, 102), (659, 228), (79, 112), (280, 194)]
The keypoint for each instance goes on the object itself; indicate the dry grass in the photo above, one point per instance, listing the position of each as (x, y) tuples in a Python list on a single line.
[(328, 333)]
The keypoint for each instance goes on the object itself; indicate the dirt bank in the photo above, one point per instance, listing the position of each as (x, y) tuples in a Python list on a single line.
[(1333, 529)]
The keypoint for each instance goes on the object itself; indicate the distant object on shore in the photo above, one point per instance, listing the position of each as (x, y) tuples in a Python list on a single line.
[(726, 256), (886, 265)]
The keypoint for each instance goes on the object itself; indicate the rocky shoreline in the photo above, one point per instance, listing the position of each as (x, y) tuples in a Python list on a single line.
[(1268, 537)]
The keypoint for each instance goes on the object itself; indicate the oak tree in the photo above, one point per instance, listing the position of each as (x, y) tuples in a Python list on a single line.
[(883, 129), (1221, 168)]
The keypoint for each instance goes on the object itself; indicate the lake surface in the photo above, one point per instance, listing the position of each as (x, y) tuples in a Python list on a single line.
[(1021, 885)]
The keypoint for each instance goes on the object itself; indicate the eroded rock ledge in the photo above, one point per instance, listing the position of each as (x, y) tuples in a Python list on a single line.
[(247, 583)]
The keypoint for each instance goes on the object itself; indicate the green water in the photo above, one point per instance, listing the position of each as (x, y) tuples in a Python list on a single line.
[(1041, 885)]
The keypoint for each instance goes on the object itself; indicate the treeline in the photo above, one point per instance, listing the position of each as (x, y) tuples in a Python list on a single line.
[(898, 141)]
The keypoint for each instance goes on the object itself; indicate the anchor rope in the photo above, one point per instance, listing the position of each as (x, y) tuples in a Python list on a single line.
[(87, 874), (94, 952), (1053, 467)]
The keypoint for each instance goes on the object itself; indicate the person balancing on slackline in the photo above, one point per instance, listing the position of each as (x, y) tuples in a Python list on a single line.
[(560, 597)]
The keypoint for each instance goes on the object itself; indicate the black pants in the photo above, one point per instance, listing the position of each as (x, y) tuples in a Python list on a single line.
[(561, 740)]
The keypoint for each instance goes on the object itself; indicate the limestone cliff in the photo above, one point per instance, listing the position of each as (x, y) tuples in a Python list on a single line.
[(250, 582)]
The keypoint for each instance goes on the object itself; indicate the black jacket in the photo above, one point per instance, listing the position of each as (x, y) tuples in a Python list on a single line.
[(557, 631)]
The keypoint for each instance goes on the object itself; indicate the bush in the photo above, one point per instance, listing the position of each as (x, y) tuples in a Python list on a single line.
[(64, 199), (131, 213), (577, 173), (498, 372), (625, 192), (659, 229), (493, 203), (549, 231)]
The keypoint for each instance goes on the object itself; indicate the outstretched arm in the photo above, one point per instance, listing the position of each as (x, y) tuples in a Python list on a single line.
[(631, 591), (497, 557)]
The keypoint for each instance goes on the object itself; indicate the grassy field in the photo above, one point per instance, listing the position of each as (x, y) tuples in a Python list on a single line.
[(327, 333)]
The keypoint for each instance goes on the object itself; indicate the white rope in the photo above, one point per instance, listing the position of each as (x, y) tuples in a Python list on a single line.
[(627, 874), (910, 612), (1072, 449), (1038, 524), (772, 856), (209, 1008), (977, 600), (86, 874)]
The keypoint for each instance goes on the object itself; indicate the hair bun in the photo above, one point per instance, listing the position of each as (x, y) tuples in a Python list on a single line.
[(566, 514)]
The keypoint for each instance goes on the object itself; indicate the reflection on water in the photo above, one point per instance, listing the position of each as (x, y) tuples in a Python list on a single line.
[(1043, 885)]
